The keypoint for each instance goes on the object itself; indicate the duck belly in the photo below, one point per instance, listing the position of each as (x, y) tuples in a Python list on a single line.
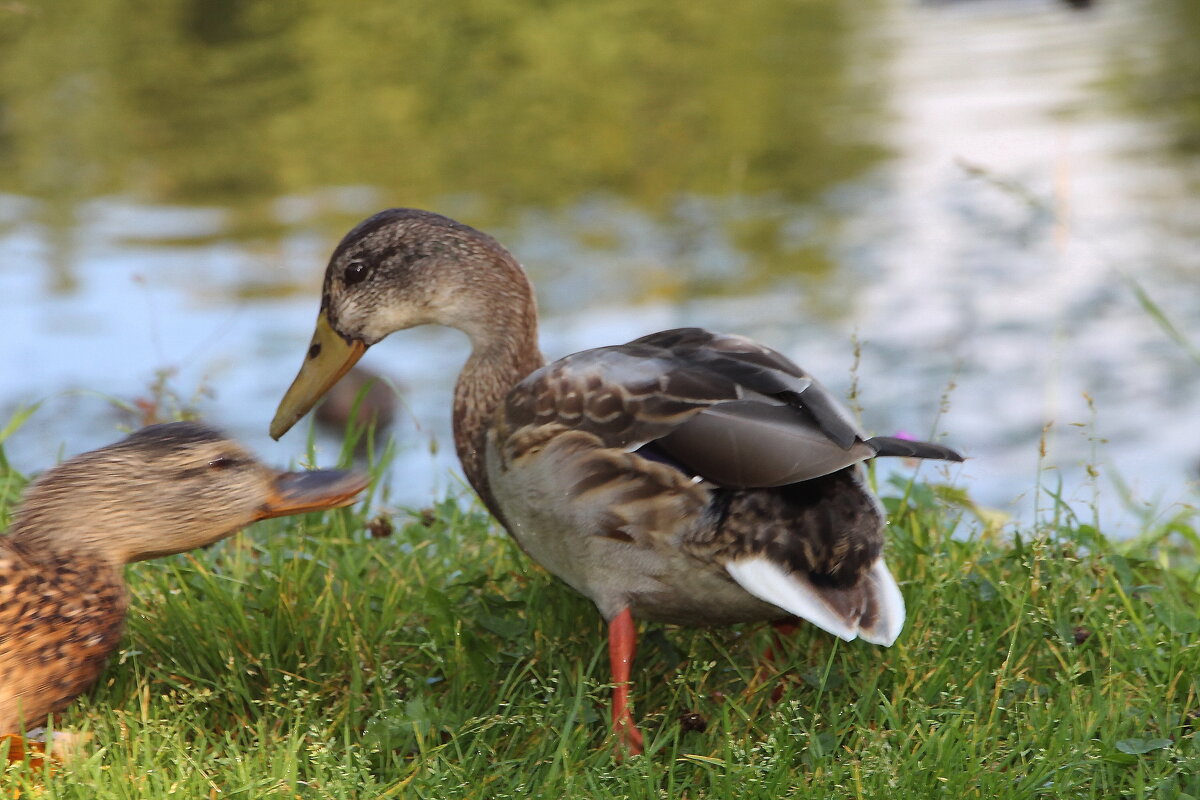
[(671, 587)]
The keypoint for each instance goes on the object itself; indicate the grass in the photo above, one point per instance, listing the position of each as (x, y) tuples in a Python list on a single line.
[(327, 657)]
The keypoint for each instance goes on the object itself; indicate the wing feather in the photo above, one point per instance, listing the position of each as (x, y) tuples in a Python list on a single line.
[(724, 407)]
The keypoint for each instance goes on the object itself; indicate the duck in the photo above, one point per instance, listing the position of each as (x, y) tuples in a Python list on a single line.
[(162, 490), (361, 399), (685, 477)]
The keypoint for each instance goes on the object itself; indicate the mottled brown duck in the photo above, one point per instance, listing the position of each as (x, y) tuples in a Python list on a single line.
[(163, 490), (686, 477)]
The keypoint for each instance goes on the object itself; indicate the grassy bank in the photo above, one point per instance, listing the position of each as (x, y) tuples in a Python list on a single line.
[(329, 657)]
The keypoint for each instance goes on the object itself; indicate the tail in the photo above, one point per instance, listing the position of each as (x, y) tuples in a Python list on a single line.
[(906, 448), (872, 608)]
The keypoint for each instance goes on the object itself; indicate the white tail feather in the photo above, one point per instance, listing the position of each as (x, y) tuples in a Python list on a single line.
[(768, 581), (793, 592), (890, 603)]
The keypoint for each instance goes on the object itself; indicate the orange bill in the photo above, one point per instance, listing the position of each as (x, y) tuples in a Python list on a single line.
[(301, 492)]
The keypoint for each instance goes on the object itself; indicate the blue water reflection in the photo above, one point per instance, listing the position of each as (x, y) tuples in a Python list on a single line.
[(987, 269)]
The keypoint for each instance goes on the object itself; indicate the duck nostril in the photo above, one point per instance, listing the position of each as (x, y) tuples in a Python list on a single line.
[(314, 350)]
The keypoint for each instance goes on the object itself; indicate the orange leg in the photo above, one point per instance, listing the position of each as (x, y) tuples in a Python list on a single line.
[(622, 642), (783, 627)]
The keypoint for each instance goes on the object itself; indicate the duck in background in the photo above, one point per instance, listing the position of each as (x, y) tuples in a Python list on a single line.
[(165, 489), (376, 409), (686, 477)]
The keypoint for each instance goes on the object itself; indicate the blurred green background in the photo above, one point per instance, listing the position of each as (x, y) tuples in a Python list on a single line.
[(966, 188)]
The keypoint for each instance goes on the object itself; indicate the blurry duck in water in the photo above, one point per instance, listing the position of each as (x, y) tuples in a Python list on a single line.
[(687, 477), (361, 398), (163, 490)]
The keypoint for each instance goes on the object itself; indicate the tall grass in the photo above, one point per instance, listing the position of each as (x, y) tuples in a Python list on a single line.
[(338, 656)]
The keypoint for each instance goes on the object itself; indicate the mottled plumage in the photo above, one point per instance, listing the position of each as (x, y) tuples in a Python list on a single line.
[(685, 476), (165, 489), (60, 617)]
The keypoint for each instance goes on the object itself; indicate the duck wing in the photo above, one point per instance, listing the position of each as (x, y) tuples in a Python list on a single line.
[(721, 407), (724, 407), (762, 370), (785, 428), (632, 394)]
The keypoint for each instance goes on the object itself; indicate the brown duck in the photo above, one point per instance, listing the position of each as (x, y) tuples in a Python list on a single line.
[(687, 476), (163, 490)]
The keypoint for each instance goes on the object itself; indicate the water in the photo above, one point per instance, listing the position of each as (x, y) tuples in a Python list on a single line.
[(957, 187)]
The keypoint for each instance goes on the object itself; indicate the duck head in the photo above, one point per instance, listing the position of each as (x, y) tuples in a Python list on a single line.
[(162, 490), (399, 269)]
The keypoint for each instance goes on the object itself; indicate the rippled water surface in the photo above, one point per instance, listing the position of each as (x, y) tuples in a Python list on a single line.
[(990, 207)]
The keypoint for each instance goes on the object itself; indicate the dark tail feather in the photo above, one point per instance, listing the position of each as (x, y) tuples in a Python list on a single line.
[(906, 448)]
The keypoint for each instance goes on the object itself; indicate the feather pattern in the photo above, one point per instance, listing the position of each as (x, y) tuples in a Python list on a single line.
[(685, 476), (59, 620), (631, 471)]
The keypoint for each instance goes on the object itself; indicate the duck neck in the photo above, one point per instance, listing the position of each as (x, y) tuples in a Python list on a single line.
[(67, 517), (504, 350), (40, 541)]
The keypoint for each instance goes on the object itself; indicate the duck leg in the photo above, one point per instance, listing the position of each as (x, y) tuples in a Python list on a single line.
[(783, 627), (622, 642), (18, 748)]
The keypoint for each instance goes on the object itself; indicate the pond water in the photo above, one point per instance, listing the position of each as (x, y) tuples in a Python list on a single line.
[(980, 215)]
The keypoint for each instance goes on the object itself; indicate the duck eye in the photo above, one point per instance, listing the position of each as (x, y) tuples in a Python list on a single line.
[(355, 271), (222, 462)]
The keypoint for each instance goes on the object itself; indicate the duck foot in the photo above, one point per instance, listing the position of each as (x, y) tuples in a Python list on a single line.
[(32, 749), (783, 627), (20, 748), (622, 643)]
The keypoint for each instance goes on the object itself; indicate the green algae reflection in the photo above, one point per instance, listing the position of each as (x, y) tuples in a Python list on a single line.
[(515, 105)]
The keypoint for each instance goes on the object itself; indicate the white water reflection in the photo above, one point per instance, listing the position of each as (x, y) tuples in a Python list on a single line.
[(1019, 206), (991, 253)]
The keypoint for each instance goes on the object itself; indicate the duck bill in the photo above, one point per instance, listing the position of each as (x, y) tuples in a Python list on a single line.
[(329, 358), (301, 492)]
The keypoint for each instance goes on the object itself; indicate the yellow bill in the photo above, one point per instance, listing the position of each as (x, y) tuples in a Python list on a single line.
[(329, 357)]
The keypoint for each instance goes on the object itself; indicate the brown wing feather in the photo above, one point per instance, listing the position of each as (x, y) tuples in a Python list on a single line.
[(724, 407), (761, 369), (626, 395)]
